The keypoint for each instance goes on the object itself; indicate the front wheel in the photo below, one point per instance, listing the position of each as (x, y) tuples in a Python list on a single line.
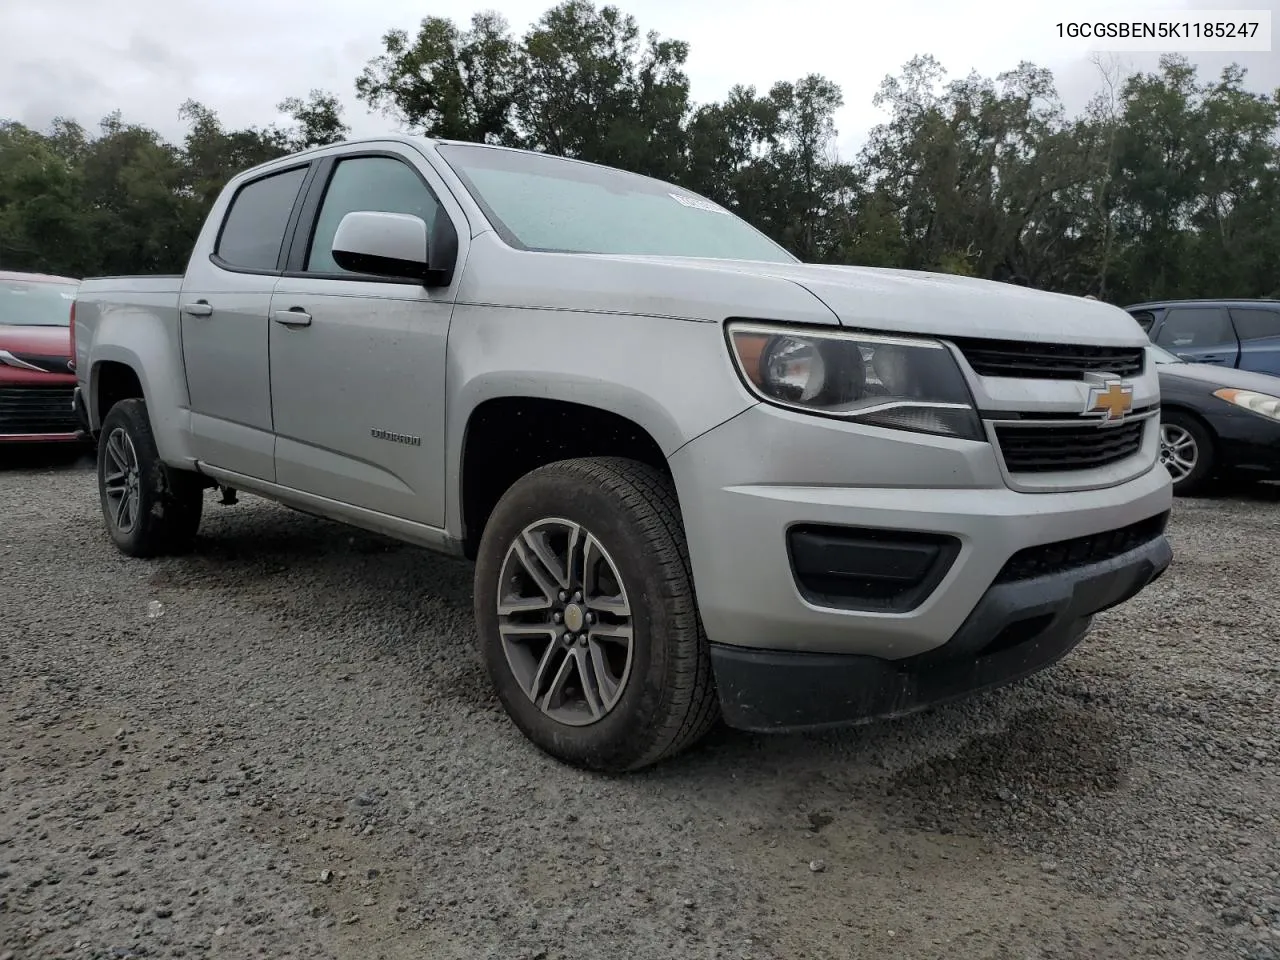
[(149, 509), (1186, 450), (586, 615)]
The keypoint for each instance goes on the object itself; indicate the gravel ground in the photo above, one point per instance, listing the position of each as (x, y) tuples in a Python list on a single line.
[(283, 746)]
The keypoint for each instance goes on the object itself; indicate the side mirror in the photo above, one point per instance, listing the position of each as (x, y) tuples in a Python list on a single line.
[(397, 245)]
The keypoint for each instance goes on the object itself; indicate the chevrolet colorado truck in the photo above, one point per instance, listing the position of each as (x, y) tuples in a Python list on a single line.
[(697, 477)]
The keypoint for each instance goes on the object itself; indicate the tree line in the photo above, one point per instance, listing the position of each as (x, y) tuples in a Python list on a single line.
[(1167, 184)]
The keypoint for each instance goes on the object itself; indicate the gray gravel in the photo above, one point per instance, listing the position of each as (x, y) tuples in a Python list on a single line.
[(284, 746)]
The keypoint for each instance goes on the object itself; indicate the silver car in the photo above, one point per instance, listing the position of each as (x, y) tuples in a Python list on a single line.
[(697, 477)]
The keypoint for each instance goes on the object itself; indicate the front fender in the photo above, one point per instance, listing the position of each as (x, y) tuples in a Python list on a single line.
[(672, 378)]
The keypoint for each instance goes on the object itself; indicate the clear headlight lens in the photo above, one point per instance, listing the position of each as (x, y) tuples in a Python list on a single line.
[(897, 382), (1259, 403)]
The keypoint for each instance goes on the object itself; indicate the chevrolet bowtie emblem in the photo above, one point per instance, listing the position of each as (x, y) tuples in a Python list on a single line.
[(1111, 400)]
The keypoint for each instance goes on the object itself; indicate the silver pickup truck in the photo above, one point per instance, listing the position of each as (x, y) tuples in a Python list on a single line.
[(697, 478)]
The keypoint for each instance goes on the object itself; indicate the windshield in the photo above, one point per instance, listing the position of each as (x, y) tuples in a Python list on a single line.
[(36, 303), (549, 204), (1161, 355)]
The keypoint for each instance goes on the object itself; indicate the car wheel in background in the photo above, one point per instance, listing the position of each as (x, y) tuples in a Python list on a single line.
[(149, 509), (586, 615), (1186, 451)]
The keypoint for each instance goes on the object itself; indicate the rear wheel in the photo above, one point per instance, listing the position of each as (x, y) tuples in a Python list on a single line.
[(1187, 452), (586, 615), (149, 508)]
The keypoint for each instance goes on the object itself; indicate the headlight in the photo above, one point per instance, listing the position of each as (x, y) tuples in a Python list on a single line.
[(1260, 403), (896, 382)]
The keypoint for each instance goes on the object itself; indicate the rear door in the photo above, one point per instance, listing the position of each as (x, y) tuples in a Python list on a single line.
[(1199, 333), (226, 297), (1258, 328), (358, 362)]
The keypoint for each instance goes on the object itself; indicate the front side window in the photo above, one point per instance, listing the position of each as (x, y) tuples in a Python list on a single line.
[(36, 303), (1256, 323), (1193, 327), (549, 204), (253, 231), (372, 184)]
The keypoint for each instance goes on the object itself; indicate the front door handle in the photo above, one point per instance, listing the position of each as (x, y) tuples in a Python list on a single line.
[(293, 317), (201, 308)]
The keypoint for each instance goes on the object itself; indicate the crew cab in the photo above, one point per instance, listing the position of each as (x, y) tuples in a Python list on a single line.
[(697, 478)]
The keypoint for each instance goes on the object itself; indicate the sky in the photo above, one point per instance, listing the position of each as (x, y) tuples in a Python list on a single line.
[(84, 58)]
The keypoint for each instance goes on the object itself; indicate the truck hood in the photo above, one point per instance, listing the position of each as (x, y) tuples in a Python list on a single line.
[(908, 301)]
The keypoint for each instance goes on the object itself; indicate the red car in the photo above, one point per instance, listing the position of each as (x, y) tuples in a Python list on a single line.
[(37, 376)]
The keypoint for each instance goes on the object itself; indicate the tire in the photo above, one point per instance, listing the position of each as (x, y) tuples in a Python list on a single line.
[(167, 503), (654, 697), (1184, 438)]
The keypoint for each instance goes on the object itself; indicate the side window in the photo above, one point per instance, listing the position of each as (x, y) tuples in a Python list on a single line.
[(1145, 319), (376, 184), (1256, 323), (254, 228), (1195, 327)]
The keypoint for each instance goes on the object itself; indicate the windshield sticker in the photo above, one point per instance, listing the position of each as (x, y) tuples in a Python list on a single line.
[(698, 204)]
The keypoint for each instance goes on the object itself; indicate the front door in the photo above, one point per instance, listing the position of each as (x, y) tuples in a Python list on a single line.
[(358, 363), (224, 304)]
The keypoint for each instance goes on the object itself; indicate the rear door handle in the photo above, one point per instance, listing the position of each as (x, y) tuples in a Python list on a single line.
[(293, 317), (201, 308)]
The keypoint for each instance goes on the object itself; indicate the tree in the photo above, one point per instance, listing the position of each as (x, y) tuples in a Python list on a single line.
[(448, 83), (317, 120)]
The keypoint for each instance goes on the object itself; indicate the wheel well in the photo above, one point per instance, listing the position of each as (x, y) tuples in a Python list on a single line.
[(115, 382), (508, 437)]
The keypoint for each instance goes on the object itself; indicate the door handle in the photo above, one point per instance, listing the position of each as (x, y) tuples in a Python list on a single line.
[(201, 308), (293, 317)]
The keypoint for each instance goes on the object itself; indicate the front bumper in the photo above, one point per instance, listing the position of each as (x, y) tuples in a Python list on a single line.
[(1016, 629), (744, 486)]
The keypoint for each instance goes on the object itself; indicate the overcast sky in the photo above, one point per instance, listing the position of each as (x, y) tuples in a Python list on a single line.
[(84, 58)]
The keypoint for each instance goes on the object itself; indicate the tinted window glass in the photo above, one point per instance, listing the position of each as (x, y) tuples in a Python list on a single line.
[(1256, 323), (1195, 327), (547, 203), (375, 184), (36, 303), (1145, 319), (255, 225)]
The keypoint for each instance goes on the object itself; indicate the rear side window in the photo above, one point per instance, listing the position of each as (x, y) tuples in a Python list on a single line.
[(253, 231), (372, 184), (1256, 323), (1145, 319), (1195, 327)]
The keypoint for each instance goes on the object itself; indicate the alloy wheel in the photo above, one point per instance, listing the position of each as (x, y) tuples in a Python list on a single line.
[(121, 481), (1178, 451), (565, 621)]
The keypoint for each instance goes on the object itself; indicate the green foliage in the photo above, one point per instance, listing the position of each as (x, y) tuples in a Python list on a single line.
[(1167, 185)]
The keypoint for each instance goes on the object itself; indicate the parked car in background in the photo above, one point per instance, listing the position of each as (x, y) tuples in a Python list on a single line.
[(890, 489), (37, 375), (1216, 423), (1242, 334)]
